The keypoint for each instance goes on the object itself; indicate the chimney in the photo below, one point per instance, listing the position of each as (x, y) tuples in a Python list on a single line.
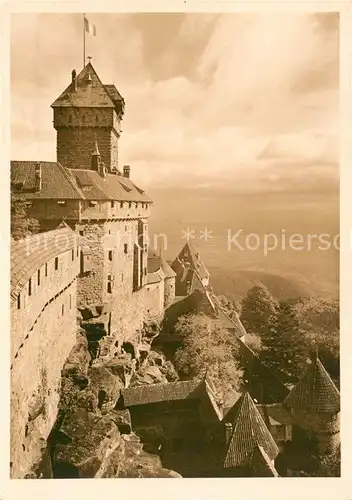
[(74, 79), (126, 171), (38, 176)]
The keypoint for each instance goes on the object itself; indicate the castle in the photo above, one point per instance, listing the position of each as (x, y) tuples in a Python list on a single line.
[(91, 260)]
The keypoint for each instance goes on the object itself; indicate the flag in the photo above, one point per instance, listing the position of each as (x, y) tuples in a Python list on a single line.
[(89, 27)]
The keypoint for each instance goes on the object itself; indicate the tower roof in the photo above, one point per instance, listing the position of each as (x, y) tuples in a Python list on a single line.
[(249, 432), (315, 391), (88, 91)]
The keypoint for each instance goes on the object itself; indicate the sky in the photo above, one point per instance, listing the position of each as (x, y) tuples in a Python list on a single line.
[(248, 100)]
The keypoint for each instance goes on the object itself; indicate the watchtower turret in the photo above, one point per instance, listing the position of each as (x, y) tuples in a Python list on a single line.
[(88, 111), (314, 403)]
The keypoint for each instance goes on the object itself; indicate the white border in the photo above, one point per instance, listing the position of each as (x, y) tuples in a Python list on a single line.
[(282, 488)]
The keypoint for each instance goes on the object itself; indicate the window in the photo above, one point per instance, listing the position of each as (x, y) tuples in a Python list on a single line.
[(61, 202), (73, 255), (56, 263), (110, 254), (125, 248), (112, 204), (19, 301), (145, 271), (81, 233), (121, 276), (109, 287), (121, 204), (38, 277), (125, 228), (129, 205), (62, 310), (77, 252), (46, 269), (30, 286)]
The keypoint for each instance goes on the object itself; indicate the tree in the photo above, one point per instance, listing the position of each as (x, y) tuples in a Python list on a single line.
[(21, 224), (259, 310), (209, 347), (319, 325), (284, 350)]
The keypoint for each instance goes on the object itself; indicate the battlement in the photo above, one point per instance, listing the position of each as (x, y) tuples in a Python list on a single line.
[(44, 269)]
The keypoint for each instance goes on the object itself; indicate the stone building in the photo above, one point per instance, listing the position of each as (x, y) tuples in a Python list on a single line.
[(87, 189), (105, 277), (44, 270), (184, 424)]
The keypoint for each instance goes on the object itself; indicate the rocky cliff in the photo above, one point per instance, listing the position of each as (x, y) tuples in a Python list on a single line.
[(91, 439)]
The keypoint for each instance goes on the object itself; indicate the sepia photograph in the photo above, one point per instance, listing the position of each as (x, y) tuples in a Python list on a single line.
[(175, 243)]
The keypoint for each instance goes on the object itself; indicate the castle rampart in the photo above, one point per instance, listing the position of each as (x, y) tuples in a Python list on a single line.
[(43, 310)]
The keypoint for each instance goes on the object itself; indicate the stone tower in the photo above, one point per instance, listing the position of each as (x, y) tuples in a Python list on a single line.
[(88, 111), (314, 403)]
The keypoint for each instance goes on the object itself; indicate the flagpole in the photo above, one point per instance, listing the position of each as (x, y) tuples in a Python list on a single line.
[(84, 42)]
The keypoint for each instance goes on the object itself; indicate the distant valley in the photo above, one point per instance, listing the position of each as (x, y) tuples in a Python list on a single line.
[(212, 217)]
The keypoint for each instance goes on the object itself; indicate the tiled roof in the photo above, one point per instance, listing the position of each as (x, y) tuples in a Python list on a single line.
[(189, 255), (114, 94), (261, 464), (167, 269), (154, 263), (315, 391), (89, 92), (156, 393), (57, 181), (33, 252), (275, 414), (112, 187), (60, 183), (249, 431), (153, 278)]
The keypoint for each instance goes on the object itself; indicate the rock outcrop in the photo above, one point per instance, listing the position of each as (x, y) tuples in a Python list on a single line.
[(91, 439)]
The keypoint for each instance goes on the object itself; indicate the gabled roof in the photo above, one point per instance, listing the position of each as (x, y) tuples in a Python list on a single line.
[(167, 269), (60, 183), (172, 391), (249, 431), (111, 187), (261, 464), (57, 181), (315, 392), (189, 255), (89, 92), (30, 254)]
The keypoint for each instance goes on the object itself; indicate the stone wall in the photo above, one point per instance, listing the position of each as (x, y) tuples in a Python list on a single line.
[(43, 319), (154, 301), (77, 131), (52, 283), (169, 288), (35, 380)]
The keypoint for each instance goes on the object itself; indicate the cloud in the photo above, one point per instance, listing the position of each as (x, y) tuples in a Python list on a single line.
[(235, 96)]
